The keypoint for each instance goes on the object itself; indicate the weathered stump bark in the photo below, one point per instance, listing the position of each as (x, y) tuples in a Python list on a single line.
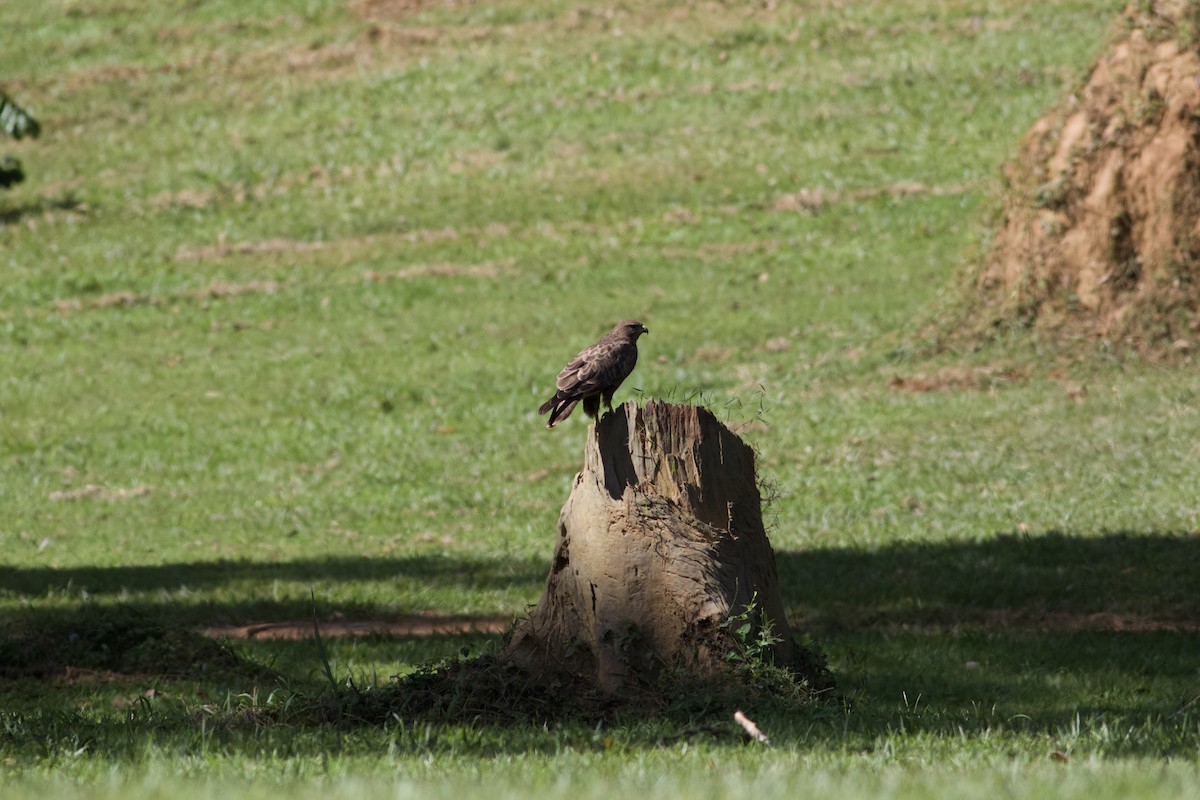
[(660, 542)]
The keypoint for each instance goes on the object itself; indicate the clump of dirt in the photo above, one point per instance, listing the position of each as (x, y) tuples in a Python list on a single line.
[(1101, 228), (493, 690), (113, 644)]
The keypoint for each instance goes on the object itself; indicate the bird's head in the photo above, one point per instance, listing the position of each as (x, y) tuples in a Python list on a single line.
[(632, 329)]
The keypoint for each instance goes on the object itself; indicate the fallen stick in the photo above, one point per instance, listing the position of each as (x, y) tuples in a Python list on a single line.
[(750, 728)]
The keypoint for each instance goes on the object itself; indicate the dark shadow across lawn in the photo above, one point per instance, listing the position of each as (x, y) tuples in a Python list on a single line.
[(1018, 631), (1020, 634), (437, 569), (1054, 582)]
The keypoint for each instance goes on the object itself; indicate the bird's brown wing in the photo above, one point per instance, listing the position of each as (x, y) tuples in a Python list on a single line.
[(603, 365)]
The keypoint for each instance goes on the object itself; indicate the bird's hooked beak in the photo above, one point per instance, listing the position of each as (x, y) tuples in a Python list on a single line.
[(645, 329)]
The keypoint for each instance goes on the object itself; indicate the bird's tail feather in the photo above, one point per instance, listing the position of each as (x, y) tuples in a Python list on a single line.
[(561, 412)]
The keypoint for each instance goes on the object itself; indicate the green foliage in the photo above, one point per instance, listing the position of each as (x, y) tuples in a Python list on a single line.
[(17, 123), (751, 635), (750, 661)]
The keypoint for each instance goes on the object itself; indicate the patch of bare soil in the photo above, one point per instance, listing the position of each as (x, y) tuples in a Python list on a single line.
[(66, 675), (723, 251), (1027, 620), (447, 270), (813, 201), (960, 379), (101, 493), (213, 291), (399, 9), (1101, 233), (1111, 621), (267, 247), (417, 626)]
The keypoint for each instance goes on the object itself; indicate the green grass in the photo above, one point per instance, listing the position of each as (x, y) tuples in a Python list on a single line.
[(287, 283)]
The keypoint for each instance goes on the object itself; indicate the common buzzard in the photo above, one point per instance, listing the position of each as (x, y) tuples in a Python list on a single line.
[(595, 373)]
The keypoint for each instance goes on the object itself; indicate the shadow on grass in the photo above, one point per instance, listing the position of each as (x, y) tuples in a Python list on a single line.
[(1054, 582), (68, 201), (1018, 632), (437, 569), (51, 638), (1054, 636)]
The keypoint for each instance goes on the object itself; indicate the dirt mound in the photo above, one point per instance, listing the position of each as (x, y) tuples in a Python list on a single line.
[(1101, 232), (115, 644)]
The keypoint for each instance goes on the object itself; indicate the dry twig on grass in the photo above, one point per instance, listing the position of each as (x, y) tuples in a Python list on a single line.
[(750, 728)]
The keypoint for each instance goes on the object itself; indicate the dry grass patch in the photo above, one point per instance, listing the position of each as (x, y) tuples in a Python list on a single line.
[(488, 269), (92, 491), (813, 201), (945, 620), (401, 9), (960, 379), (267, 247), (414, 625), (723, 251), (214, 290)]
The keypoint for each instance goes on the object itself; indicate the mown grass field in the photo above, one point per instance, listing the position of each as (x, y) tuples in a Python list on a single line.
[(288, 281)]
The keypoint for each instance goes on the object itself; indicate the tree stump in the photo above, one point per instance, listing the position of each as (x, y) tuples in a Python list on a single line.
[(660, 543)]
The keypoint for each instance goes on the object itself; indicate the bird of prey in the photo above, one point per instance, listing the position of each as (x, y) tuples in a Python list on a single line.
[(595, 373)]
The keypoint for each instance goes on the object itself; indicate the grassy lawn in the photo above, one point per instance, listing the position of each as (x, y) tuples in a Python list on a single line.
[(288, 281)]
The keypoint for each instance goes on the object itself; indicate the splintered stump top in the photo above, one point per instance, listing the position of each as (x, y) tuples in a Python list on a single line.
[(659, 544)]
